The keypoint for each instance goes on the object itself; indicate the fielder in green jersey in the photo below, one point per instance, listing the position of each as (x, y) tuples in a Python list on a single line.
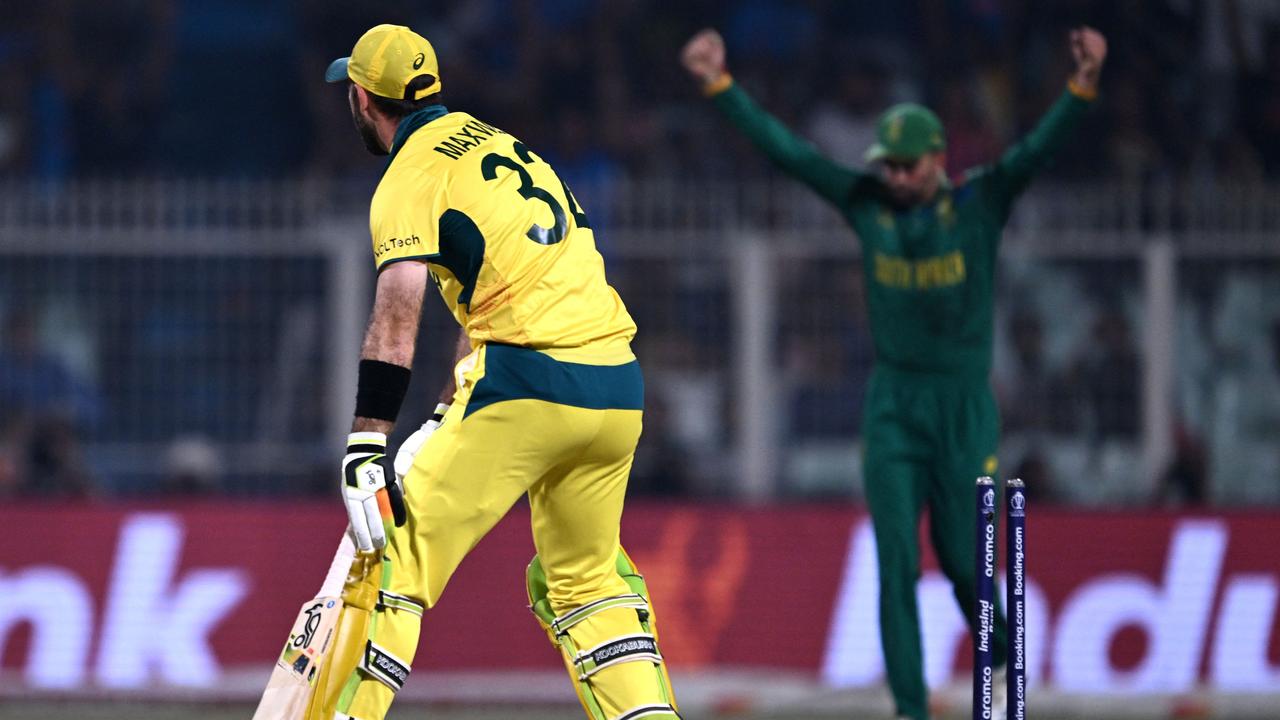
[(929, 255)]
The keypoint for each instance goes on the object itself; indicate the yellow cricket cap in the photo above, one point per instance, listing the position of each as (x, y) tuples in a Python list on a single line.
[(386, 61)]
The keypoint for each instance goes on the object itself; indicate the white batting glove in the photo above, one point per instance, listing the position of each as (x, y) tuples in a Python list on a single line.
[(374, 505), (412, 444)]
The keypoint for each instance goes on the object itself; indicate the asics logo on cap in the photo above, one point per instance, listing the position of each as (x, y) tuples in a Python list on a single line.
[(391, 61)]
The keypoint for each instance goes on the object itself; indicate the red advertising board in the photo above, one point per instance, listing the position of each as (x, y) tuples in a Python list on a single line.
[(131, 597)]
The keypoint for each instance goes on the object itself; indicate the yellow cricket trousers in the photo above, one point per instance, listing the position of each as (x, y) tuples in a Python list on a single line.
[(521, 422)]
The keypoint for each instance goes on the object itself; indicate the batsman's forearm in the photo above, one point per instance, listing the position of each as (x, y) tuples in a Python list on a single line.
[(364, 424), (393, 326)]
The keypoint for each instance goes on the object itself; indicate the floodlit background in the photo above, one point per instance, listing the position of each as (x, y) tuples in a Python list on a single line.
[(185, 274)]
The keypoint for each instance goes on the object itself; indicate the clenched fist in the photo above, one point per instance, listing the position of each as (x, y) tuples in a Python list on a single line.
[(703, 56), (1089, 50)]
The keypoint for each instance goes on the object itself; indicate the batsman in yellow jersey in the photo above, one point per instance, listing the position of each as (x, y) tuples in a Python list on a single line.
[(547, 400)]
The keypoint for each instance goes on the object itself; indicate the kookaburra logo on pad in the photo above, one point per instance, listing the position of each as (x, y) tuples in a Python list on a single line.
[(373, 475)]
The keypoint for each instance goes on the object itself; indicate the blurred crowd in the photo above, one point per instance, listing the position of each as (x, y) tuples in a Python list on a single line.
[(233, 87)]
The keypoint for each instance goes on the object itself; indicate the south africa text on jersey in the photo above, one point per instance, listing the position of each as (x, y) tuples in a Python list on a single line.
[(928, 273), (471, 135)]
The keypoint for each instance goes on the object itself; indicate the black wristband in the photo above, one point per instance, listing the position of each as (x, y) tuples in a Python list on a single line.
[(380, 390)]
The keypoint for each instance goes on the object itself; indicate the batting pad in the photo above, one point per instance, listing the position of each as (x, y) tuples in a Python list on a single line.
[(392, 640), (610, 648)]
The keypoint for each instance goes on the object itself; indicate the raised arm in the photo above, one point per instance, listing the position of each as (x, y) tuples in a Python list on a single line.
[(1011, 175), (704, 57)]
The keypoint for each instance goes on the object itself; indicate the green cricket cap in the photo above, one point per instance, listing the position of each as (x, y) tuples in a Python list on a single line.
[(907, 131)]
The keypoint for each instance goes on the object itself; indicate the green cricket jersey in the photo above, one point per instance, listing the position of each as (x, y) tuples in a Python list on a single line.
[(930, 269)]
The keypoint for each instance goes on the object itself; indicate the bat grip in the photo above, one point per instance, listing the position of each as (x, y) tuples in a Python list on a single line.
[(338, 569)]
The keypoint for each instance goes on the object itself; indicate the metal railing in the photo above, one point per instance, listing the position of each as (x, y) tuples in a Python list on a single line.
[(745, 293)]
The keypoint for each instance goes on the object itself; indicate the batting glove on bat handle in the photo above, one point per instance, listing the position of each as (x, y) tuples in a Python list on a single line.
[(412, 444), (373, 496)]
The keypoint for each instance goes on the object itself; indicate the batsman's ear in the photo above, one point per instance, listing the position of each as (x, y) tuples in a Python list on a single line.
[(359, 98)]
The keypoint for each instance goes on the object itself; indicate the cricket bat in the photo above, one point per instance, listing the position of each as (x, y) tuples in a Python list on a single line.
[(292, 681)]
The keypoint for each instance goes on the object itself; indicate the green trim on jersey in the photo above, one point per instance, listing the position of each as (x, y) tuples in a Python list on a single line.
[(461, 251), (408, 124), (419, 258), (516, 373)]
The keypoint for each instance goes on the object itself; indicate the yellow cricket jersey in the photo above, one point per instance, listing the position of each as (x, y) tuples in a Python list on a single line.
[(509, 248)]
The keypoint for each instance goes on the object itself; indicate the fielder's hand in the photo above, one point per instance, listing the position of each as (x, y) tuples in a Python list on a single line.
[(409, 448), (373, 496), (703, 57), (1089, 49)]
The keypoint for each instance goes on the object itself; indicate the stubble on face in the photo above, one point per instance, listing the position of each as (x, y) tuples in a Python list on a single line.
[(364, 126)]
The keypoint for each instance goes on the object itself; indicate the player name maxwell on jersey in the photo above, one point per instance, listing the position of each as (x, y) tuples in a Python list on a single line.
[(469, 136)]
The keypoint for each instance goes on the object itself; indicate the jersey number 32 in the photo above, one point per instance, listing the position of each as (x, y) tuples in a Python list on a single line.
[(543, 236)]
